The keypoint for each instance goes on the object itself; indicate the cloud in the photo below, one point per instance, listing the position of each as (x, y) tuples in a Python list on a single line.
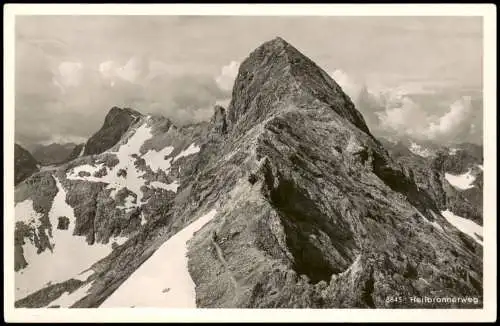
[(413, 109), (68, 74), (411, 119), (405, 118), (349, 86), (458, 115), (133, 71), (225, 80), (67, 99)]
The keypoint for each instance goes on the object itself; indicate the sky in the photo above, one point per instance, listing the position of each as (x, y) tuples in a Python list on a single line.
[(418, 77)]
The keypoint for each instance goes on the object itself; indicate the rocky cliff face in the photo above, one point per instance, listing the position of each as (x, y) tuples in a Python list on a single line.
[(115, 125), (300, 207), (24, 164)]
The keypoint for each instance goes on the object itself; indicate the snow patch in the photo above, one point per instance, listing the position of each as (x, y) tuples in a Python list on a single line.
[(171, 186), (167, 268), (118, 240), (453, 151), (70, 255), (156, 160), (192, 149), (433, 223), (26, 214), (466, 226), (83, 150), (129, 204), (143, 219), (419, 150), (83, 276), (480, 166), (134, 179), (67, 299), (462, 181)]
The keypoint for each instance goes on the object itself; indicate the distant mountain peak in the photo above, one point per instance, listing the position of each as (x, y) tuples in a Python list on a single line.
[(116, 123), (117, 111)]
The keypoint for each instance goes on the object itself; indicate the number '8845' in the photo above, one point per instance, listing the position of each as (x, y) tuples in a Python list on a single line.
[(394, 299)]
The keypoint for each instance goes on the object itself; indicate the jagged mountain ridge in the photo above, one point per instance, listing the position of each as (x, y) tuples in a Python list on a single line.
[(312, 211)]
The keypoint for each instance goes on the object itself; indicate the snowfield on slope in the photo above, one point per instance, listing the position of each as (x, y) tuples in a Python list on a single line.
[(462, 181), (134, 179), (192, 149), (70, 254), (67, 299), (465, 226), (82, 151), (163, 280)]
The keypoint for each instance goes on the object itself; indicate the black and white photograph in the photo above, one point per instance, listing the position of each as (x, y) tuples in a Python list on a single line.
[(222, 161)]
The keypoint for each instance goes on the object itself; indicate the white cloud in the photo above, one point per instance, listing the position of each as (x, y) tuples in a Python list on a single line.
[(459, 113), (133, 71), (68, 74), (350, 86), (228, 74), (224, 103), (404, 117), (108, 69), (397, 113)]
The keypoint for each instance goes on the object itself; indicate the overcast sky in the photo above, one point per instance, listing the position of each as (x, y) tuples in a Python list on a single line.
[(409, 76)]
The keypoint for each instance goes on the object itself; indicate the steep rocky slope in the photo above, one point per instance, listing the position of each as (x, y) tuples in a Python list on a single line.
[(24, 164), (285, 199)]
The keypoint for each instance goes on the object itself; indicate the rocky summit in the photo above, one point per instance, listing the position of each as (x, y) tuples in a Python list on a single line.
[(283, 200)]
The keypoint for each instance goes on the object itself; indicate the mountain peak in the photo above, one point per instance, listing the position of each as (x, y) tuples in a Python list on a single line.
[(115, 111), (276, 43), (276, 76), (116, 123)]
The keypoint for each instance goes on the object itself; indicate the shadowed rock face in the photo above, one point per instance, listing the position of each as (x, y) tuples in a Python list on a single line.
[(24, 164), (116, 123), (312, 210)]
